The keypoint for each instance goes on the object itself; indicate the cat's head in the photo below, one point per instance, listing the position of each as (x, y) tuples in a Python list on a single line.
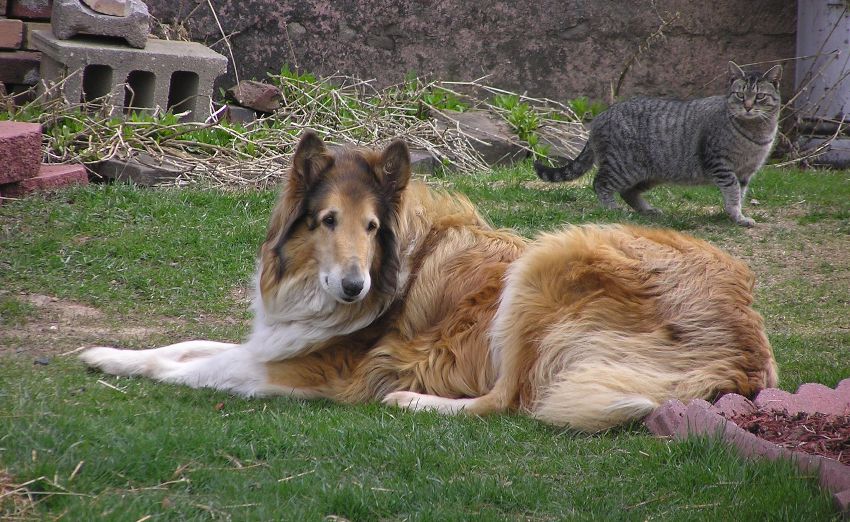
[(753, 95)]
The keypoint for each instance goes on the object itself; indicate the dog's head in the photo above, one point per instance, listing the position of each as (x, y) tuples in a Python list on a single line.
[(337, 216)]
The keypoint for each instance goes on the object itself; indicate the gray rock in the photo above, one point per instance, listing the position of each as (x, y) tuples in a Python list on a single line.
[(70, 18), (554, 49), (237, 114), (423, 162), (564, 140), (256, 95), (141, 169), (109, 7), (489, 134)]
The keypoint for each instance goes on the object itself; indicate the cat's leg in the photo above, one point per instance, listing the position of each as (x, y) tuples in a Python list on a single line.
[(730, 188), (632, 196), (604, 184), (745, 184)]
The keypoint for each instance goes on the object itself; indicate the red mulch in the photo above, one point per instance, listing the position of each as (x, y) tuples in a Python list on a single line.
[(814, 433)]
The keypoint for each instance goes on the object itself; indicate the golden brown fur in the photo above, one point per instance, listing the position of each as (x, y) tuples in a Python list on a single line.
[(589, 327)]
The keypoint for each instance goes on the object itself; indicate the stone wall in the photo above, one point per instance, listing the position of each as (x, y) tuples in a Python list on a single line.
[(554, 48)]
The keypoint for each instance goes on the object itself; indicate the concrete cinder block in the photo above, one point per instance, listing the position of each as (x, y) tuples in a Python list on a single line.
[(11, 33), (166, 74), (20, 67), (30, 9), (71, 17), (49, 177), (20, 150), (29, 27)]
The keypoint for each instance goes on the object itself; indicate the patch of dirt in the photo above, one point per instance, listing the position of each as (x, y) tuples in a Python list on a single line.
[(242, 295), (813, 433), (786, 243), (782, 252), (58, 326), (14, 504)]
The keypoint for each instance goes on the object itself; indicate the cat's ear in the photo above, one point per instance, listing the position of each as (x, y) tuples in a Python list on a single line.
[(735, 72), (773, 75)]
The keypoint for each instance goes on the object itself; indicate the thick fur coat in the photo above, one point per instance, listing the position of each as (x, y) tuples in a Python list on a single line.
[(371, 286)]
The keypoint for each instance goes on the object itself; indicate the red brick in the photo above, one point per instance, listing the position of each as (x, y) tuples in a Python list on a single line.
[(49, 177), (733, 404), (11, 34), (834, 476), (774, 399), (33, 9), (815, 397), (664, 420), (20, 150), (842, 502), (20, 67)]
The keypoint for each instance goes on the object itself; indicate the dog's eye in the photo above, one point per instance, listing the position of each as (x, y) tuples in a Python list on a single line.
[(329, 221), (372, 226)]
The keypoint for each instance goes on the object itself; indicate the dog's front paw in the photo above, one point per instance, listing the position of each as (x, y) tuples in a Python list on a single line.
[(112, 360), (402, 399)]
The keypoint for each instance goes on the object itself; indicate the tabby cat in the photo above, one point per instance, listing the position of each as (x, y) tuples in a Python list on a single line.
[(643, 142)]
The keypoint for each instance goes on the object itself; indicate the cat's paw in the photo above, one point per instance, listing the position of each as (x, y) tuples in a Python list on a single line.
[(745, 221)]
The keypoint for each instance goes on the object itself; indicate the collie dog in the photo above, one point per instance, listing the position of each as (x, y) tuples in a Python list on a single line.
[(371, 286)]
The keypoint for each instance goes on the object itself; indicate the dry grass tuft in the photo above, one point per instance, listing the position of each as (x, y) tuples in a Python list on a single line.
[(343, 109)]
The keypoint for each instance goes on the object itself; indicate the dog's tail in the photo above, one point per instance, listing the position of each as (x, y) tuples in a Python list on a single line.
[(571, 170), (595, 397)]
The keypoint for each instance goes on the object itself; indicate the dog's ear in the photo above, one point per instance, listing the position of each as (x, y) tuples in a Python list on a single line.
[(394, 175), (311, 158), (395, 166)]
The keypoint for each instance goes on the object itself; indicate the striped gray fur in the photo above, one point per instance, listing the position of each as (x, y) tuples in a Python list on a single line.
[(640, 143)]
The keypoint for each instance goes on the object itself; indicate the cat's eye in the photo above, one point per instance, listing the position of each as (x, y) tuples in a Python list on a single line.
[(739, 95), (760, 96)]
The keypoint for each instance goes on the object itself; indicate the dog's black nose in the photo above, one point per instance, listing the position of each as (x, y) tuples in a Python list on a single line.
[(352, 287)]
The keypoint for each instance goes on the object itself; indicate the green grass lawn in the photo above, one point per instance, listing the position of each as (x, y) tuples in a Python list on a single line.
[(117, 265)]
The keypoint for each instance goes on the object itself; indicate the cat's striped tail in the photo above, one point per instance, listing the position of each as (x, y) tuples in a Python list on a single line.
[(571, 170)]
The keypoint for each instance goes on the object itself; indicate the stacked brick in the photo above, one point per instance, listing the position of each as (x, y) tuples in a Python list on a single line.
[(19, 61), (21, 170)]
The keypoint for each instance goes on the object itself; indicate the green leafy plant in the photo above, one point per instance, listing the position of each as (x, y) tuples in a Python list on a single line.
[(444, 100), (586, 109), (65, 132), (524, 119)]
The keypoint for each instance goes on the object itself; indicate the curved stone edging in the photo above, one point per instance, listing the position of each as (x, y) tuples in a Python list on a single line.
[(675, 419)]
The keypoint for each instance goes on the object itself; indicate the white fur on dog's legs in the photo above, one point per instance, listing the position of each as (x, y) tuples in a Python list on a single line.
[(420, 401), (198, 364), (142, 362)]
